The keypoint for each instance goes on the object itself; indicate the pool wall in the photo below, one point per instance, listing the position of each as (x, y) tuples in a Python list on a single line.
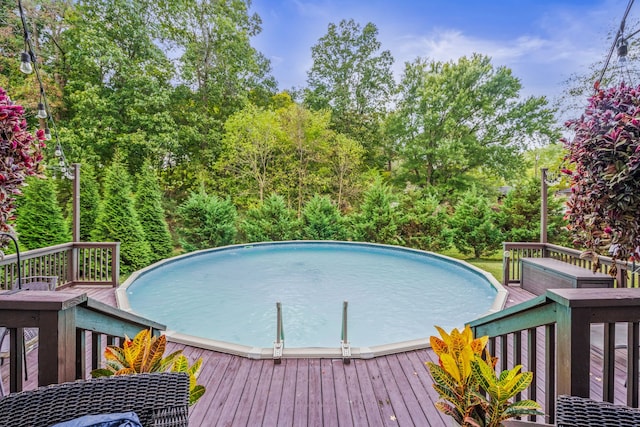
[(304, 352)]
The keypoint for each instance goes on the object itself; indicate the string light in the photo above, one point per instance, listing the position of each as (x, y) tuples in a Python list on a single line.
[(25, 63), (620, 41), (28, 64), (42, 112)]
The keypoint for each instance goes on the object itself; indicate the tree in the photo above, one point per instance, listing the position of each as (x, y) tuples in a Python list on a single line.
[(519, 216), (473, 225), (461, 118), (308, 136), (345, 159), (118, 220), (378, 218), (89, 202), (218, 59), (118, 89), (272, 221), (39, 221), (207, 222), (149, 208), (424, 222), (605, 181), (252, 144), (20, 156), (351, 77), (321, 220)]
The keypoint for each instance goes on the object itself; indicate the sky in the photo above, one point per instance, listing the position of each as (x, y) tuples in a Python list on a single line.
[(543, 42)]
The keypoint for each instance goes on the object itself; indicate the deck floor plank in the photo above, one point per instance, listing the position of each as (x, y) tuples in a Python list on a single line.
[(315, 400), (397, 395), (249, 392), (371, 403), (232, 400), (345, 406), (262, 392), (301, 407), (329, 399), (289, 393)]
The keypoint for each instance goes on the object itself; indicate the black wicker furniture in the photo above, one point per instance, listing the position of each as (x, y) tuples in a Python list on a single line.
[(574, 411), (159, 399)]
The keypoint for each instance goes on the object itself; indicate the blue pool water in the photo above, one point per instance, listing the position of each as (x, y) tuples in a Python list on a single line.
[(229, 294)]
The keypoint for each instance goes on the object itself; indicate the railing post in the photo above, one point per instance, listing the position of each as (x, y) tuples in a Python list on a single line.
[(543, 206), (115, 265), (278, 344), (506, 267), (344, 339), (573, 337)]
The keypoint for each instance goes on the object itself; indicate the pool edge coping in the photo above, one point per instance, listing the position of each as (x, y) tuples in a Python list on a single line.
[(122, 301)]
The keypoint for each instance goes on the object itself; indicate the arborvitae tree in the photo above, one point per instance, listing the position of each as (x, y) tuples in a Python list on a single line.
[(272, 221), (519, 218), (207, 221), (118, 220), (151, 214), (378, 219), (424, 222), (473, 225), (321, 220), (40, 222), (89, 202)]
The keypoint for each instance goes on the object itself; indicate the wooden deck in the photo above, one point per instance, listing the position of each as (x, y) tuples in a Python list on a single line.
[(392, 390)]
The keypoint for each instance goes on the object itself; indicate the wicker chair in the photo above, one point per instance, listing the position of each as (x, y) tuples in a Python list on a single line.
[(574, 411), (159, 399)]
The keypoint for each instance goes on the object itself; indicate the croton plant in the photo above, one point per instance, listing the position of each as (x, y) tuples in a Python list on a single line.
[(20, 156), (604, 165)]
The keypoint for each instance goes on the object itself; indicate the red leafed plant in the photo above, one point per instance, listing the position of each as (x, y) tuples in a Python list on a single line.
[(20, 155), (604, 159)]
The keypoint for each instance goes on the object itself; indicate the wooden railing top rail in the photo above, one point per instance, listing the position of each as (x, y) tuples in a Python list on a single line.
[(35, 253), (49, 250), (604, 260), (595, 298)]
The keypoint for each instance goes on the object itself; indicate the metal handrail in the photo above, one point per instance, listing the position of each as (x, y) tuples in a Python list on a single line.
[(344, 340), (278, 344)]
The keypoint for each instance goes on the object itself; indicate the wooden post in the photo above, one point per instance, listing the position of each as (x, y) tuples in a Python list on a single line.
[(543, 206), (76, 202), (573, 350), (506, 267), (75, 252)]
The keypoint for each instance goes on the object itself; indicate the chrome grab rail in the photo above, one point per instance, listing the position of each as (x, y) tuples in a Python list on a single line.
[(344, 340), (278, 344)]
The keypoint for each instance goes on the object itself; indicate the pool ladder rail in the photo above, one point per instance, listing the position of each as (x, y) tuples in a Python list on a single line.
[(278, 344)]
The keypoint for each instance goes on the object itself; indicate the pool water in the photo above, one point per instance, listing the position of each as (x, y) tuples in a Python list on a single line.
[(230, 294)]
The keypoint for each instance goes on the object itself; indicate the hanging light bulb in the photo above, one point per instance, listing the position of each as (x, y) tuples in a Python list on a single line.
[(63, 169), (58, 151), (61, 162), (42, 112), (47, 134), (622, 51), (25, 63)]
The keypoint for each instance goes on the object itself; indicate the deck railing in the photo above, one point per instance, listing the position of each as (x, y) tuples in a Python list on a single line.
[(568, 337), (627, 275), (76, 263), (69, 325)]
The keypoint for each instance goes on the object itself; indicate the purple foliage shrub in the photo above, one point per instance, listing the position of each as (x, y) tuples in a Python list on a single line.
[(604, 165), (20, 155)]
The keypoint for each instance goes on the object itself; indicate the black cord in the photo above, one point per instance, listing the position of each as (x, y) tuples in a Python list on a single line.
[(615, 41)]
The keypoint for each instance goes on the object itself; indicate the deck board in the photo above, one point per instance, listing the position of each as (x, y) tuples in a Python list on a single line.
[(386, 391)]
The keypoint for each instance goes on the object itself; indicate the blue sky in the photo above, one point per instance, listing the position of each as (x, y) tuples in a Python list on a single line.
[(542, 41)]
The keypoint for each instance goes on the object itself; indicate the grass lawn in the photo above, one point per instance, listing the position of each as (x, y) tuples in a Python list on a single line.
[(491, 264)]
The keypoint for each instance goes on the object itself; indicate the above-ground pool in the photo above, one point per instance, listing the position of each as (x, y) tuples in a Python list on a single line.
[(229, 294)]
